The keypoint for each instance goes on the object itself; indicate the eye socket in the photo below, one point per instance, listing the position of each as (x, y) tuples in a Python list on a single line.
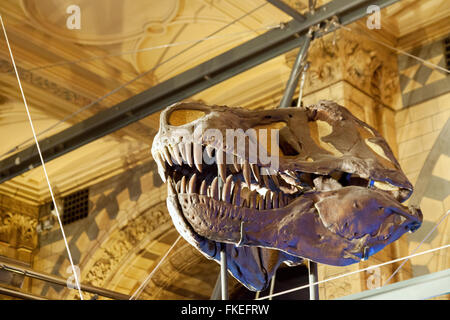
[(180, 117)]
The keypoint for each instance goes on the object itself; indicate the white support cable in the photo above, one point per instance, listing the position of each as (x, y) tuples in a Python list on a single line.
[(414, 251), (353, 272), (42, 161), (163, 46), (139, 290)]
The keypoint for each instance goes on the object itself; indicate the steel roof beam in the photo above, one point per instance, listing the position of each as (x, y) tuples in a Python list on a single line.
[(287, 9)]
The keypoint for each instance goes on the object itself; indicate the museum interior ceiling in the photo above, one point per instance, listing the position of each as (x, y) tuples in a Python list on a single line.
[(109, 191)]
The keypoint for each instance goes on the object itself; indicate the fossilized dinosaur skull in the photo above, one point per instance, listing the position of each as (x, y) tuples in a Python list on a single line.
[(334, 197)]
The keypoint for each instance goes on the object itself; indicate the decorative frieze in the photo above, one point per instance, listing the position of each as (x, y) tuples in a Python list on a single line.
[(18, 223)]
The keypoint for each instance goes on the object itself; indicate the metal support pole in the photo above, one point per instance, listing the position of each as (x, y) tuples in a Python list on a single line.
[(302, 83), (313, 290), (61, 281), (223, 272), (295, 73), (272, 285), (19, 294)]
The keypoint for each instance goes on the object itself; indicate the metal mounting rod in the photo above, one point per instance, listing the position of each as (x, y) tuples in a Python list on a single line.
[(295, 73), (272, 285), (61, 281), (19, 294), (223, 272), (224, 66), (312, 271), (302, 83)]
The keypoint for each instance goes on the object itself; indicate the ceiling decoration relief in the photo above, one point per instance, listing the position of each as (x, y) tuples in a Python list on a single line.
[(102, 21)]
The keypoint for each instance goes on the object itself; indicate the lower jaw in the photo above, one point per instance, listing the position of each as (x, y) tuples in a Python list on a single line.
[(220, 221)]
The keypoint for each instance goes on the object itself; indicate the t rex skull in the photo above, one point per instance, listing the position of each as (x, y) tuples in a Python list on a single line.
[(334, 196)]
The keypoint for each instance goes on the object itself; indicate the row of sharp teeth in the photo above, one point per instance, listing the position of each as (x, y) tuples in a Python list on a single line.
[(191, 154), (233, 193)]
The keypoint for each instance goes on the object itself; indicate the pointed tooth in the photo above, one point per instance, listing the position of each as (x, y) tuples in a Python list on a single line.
[(172, 156), (215, 189), (176, 153), (275, 200), (275, 180), (246, 172), (198, 155), (236, 164), (222, 171), (167, 156), (161, 166), (170, 189), (183, 185), (226, 192), (160, 159), (209, 151), (193, 184), (203, 188), (173, 150), (221, 166), (268, 200), (255, 170), (265, 178), (232, 169), (253, 199), (188, 150), (182, 150), (237, 193), (260, 201), (178, 186), (281, 200)]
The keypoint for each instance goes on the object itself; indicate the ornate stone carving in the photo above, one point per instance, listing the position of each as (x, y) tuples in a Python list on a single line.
[(336, 288), (370, 68), (344, 56), (121, 242), (18, 230)]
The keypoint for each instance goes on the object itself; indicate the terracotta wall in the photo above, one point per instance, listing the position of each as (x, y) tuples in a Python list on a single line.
[(127, 221), (423, 135)]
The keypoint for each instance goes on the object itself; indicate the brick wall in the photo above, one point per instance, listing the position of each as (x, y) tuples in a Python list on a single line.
[(423, 136)]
